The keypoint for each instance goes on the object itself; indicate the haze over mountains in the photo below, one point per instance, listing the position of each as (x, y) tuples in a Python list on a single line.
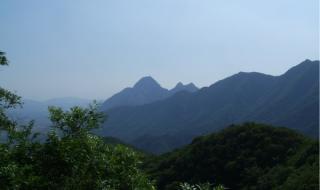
[(145, 91), (157, 120), (38, 110), (164, 123)]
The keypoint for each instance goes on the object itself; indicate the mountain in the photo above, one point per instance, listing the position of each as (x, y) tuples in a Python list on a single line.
[(289, 100), (38, 110), (249, 156), (293, 100), (68, 102), (180, 87), (145, 91)]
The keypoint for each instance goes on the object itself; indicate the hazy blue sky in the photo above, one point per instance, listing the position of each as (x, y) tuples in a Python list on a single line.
[(94, 48)]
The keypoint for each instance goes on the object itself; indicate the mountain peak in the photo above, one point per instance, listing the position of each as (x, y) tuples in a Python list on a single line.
[(303, 67), (147, 82), (179, 85), (191, 85), (145, 91)]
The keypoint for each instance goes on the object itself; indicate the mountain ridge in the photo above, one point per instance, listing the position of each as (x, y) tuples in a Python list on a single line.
[(242, 97), (145, 91)]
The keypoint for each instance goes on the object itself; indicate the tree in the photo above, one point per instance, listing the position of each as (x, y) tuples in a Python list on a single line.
[(3, 59), (17, 141), (204, 186), (7, 100), (71, 157), (85, 161)]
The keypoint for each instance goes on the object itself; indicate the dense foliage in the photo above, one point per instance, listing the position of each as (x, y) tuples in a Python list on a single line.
[(250, 156), (204, 186), (70, 158)]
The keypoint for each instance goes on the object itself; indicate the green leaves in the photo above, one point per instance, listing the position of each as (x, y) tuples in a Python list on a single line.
[(74, 159), (82, 160), (203, 186), (3, 59), (70, 158), (76, 121), (7, 100)]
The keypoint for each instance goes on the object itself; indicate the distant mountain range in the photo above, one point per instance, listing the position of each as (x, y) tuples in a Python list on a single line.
[(145, 91), (151, 119), (157, 120), (38, 110)]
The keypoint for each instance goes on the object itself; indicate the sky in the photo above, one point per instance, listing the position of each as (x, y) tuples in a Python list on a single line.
[(94, 48)]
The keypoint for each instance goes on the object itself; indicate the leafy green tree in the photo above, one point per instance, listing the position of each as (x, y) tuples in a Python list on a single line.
[(71, 157), (7, 100), (84, 161), (17, 144), (3, 59), (203, 186)]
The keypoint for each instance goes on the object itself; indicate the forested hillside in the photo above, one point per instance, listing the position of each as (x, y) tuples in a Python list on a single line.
[(248, 156)]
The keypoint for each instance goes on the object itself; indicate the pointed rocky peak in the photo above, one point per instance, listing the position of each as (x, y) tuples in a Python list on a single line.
[(181, 87), (147, 82), (191, 85), (146, 90)]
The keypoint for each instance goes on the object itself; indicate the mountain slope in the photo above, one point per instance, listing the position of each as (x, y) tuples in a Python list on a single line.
[(250, 156), (293, 100), (289, 100), (145, 91)]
